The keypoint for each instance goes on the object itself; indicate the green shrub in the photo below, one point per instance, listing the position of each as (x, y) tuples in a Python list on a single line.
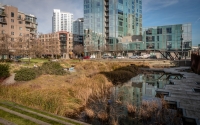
[(4, 71), (52, 68), (25, 74)]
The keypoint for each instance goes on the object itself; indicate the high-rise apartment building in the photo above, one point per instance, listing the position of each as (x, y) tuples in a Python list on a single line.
[(78, 31), (62, 21), (106, 22), (16, 26)]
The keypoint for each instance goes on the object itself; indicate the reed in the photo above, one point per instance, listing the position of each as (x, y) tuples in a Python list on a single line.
[(131, 108), (89, 112), (102, 115)]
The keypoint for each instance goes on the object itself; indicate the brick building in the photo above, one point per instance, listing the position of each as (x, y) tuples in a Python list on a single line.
[(17, 27), (57, 44)]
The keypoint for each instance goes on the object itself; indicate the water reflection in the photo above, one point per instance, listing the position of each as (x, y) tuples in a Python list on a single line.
[(134, 92), (141, 87)]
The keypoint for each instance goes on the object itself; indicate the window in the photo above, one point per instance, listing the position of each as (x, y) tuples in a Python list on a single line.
[(98, 4), (12, 39), (12, 33), (20, 34), (157, 38), (12, 14), (169, 30), (159, 31), (2, 31), (12, 20), (12, 27), (1, 25), (169, 37), (121, 1), (20, 22), (20, 28)]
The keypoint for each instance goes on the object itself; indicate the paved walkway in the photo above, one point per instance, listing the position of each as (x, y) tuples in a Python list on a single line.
[(182, 92), (10, 80), (5, 122)]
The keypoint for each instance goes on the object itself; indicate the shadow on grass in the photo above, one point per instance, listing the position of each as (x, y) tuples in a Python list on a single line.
[(123, 74)]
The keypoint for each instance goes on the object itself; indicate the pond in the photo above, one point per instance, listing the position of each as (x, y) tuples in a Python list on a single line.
[(133, 103)]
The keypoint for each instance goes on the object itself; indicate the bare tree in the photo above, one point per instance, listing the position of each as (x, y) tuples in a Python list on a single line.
[(119, 48), (78, 49), (91, 48), (5, 44), (36, 48), (54, 46), (22, 46)]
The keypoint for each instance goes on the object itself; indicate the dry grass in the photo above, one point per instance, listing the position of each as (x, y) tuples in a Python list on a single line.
[(131, 108), (90, 113), (64, 95), (102, 115)]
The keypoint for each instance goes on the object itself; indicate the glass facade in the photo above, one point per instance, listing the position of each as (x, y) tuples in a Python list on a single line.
[(109, 26), (170, 37), (106, 22)]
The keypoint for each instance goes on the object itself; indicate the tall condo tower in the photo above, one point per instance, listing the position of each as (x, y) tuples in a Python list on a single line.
[(107, 22), (62, 21)]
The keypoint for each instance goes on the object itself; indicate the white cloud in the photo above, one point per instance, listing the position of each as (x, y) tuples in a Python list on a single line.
[(150, 5)]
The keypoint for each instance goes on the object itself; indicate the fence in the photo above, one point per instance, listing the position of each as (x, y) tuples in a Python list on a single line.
[(195, 63)]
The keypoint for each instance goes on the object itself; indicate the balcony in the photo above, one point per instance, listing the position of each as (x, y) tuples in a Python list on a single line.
[(3, 14), (32, 32), (30, 21), (3, 21), (32, 38), (20, 18), (106, 25), (30, 26)]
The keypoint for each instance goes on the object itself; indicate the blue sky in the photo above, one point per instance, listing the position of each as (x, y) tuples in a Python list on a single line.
[(155, 12)]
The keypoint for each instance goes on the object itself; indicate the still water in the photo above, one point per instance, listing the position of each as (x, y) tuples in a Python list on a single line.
[(137, 90)]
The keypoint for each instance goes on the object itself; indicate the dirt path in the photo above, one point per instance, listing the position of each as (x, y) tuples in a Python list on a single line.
[(5, 122), (10, 80), (25, 116)]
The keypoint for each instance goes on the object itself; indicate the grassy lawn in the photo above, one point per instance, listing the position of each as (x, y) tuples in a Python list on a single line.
[(31, 115), (11, 105), (37, 60), (15, 119)]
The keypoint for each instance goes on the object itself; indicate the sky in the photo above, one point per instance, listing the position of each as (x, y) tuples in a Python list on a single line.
[(155, 12)]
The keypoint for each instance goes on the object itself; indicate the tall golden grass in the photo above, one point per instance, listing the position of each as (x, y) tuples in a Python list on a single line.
[(64, 95)]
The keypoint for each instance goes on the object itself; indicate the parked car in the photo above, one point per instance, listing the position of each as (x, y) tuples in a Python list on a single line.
[(92, 57), (152, 57), (107, 57), (134, 57), (86, 57), (120, 57), (144, 56)]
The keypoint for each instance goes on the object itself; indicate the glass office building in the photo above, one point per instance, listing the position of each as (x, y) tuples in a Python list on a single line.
[(170, 37), (106, 22)]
